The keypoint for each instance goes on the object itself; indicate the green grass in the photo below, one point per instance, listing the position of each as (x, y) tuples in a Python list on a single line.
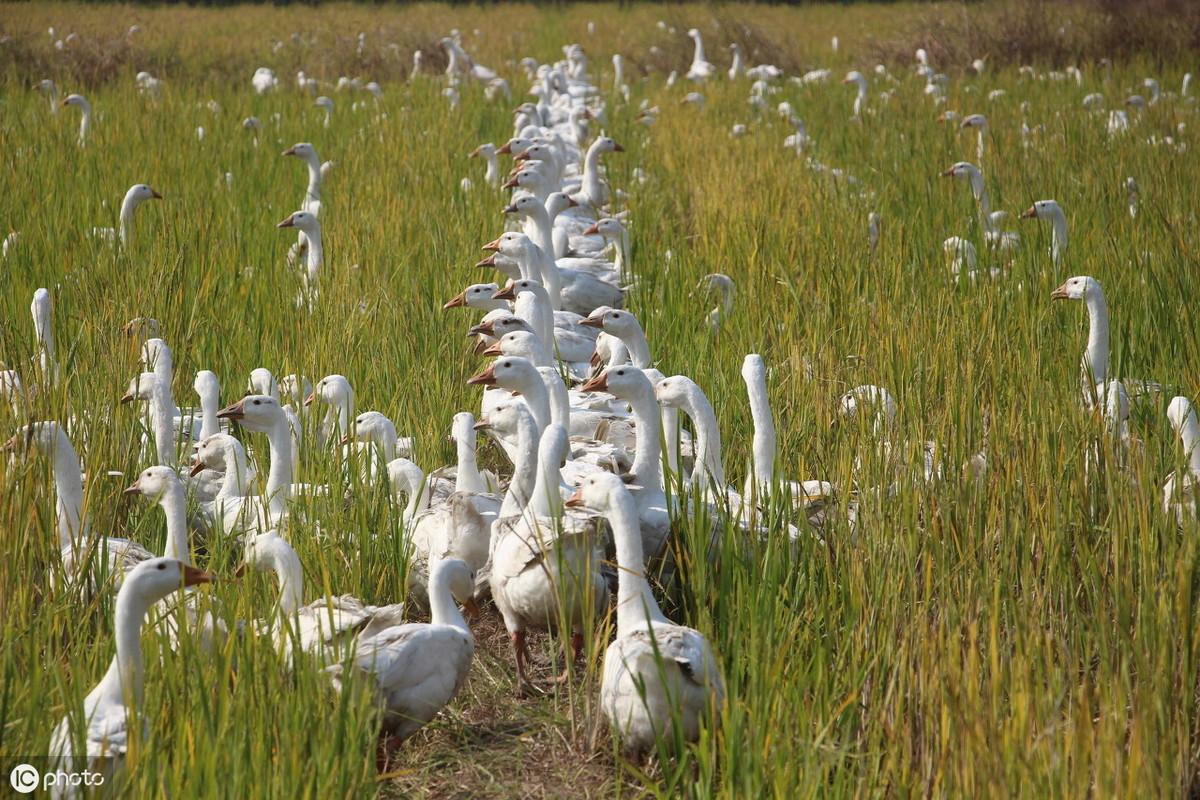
[(1034, 634)]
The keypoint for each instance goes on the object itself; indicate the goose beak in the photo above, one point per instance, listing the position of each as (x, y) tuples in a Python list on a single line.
[(506, 148), (127, 398), (511, 183), (595, 360), (196, 469), (133, 488), (11, 445), (494, 350), (312, 398), (1029, 213), (965, 124), (240, 572), (194, 577), (471, 609), (593, 322), (1060, 293), (458, 300), (617, 148), (235, 411), (291, 151), (575, 500), (490, 261), (523, 157), (592, 230), (511, 208), (485, 378), (482, 425), (507, 293), (493, 245), (482, 329), (948, 173), (596, 384), (287, 223), (571, 202), (474, 153), (154, 193), (345, 440)]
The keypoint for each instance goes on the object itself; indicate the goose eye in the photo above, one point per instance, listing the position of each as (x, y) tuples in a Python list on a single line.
[(258, 402), (508, 363), (162, 566)]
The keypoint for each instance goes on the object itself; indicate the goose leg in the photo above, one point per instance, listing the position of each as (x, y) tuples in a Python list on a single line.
[(383, 754), (525, 688)]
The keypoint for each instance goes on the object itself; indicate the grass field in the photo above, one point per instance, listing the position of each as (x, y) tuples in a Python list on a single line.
[(1032, 633)]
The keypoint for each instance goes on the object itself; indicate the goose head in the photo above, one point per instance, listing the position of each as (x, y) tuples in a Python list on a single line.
[(302, 150), (462, 428), (206, 384), (477, 295), (295, 387), (693, 33), (598, 492), (140, 388), (301, 219), (518, 144), (528, 177), (263, 551), (558, 202), (963, 170), (609, 228), (142, 328), (371, 426), (673, 391), (525, 206), (977, 121), (606, 144), (157, 578), (259, 413), (862, 398), (210, 452), (857, 78), (525, 285), (332, 389), (262, 381), (513, 373), (41, 436), (487, 150), (324, 103), (538, 152), (615, 321), (457, 576), (1080, 287), (625, 383), (1043, 209), (498, 326), (512, 244), (517, 343), (154, 482), (140, 193), (505, 419), (77, 100)]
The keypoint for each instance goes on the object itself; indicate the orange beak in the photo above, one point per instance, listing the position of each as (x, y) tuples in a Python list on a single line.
[(154, 193), (193, 576), (1029, 213), (575, 500), (287, 223), (291, 151), (485, 378), (509, 292), (133, 488), (482, 329), (511, 208), (490, 261), (1060, 293), (596, 384), (479, 347), (127, 397), (457, 301), (948, 173), (511, 183), (493, 245), (483, 425), (506, 148), (592, 230), (494, 350), (235, 411), (617, 148), (196, 469), (593, 322), (312, 398)]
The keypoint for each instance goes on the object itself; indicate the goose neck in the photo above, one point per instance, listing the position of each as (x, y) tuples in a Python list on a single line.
[(279, 478), (126, 673), (1190, 434), (174, 506), (635, 601), (764, 429), (647, 459), (708, 466), (442, 608), (1096, 356), (291, 581), (520, 489), (68, 484)]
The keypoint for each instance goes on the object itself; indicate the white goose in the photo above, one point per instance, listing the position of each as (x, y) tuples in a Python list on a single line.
[(416, 669), (137, 194), (105, 725), (545, 566), (656, 674), (329, 627), (314, 256), (1052, 211), (700, 69), (1179, 492), (78, 546), (262, 414), (85, 112), (488, 153)]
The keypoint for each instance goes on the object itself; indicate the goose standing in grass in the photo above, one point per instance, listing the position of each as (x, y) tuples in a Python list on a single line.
[(488, 153), (137, 194), (878, 404), (1094, 374), (416, 669), (85, 115), (225, 455), (980, 124), (312, 193), (545, 566), (51, 91), (860, 97), (314, 256), (1050, 210), (262, 414), (330, 627), (45, 362), (810, 496), (700, 69), (325, 104), (1180, 490), (725, 289), (78, 546), (105, 725), (656, 674)]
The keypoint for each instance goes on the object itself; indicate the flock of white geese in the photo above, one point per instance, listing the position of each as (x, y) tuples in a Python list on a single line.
[(589, 424)]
